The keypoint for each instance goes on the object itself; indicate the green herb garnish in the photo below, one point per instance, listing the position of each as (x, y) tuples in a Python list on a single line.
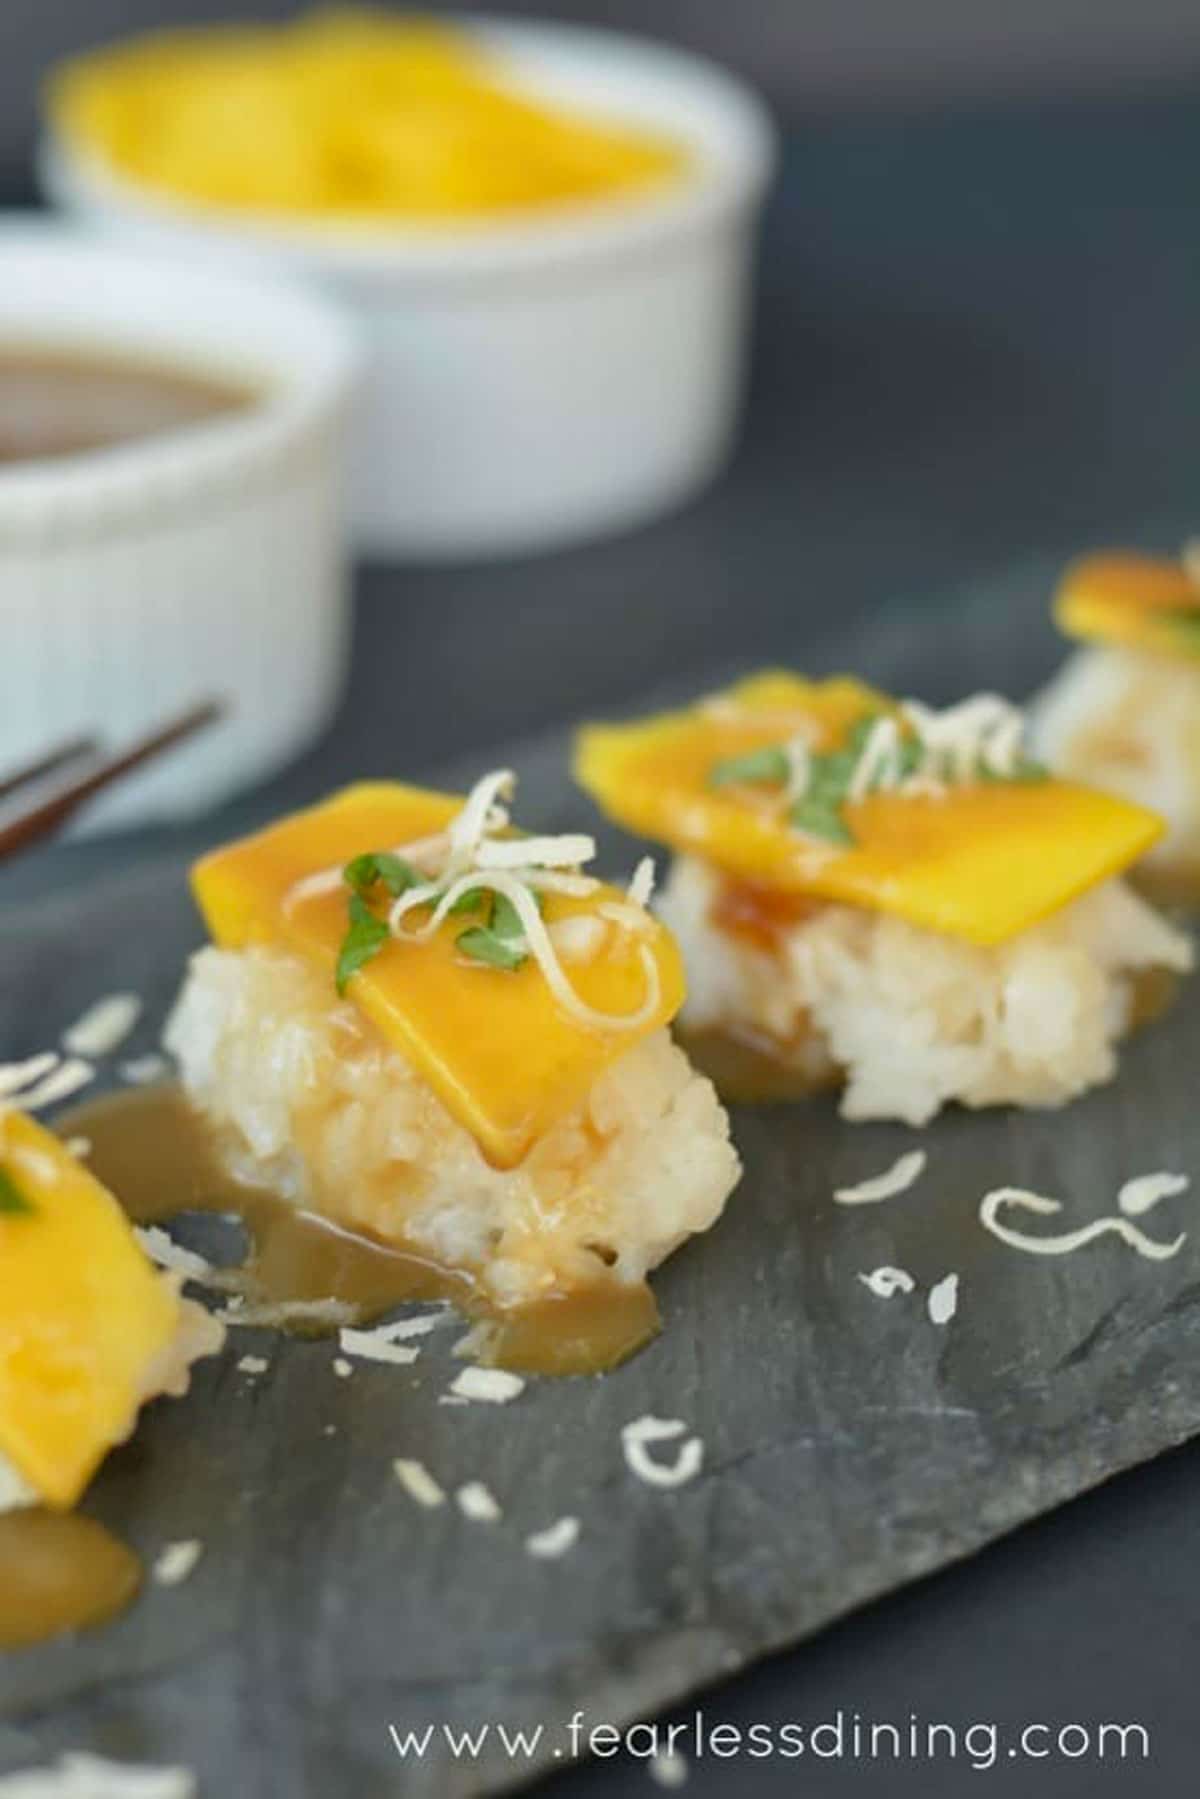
[(364, 940), (818, 812), (475, 899), (501, 942), (377, 867), (822, 818), (13, 1202), (768, 765), (483, 945)]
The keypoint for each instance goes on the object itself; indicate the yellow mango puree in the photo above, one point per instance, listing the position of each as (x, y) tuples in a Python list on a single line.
[(345, 114)]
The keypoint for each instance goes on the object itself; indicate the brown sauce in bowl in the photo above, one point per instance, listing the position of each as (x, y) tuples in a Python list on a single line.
[(57, 403)]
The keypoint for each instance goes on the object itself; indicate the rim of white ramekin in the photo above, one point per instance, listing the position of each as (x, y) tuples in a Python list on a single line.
[(301, 349), (723, 120)]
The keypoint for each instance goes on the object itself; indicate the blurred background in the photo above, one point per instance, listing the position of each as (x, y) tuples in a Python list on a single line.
[(975, 350), (805, 54)]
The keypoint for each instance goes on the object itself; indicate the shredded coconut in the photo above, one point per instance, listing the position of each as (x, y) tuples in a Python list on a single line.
[(579, 937), (16, 1075), (91, 1777), (1145, 1190), (476, 1502), (379, 1345), (420, 1326), (886, 1281), (64, 1080), (104, 1026), (982, 731), (418, 1482), (163, 1250), (536, 941), (177, 1561), (992, 1204), (342, 1368), (979, 736), (943, 1300), (494, 1385), (636, 1438), (271, 1314), (896, 1179), (555, 1540), (568, 851), (641, 888), (253, 1364), (142, 1071)]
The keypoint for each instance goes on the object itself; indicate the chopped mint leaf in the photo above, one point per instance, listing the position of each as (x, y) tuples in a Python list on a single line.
[(911, 757), (505, 922), (830, 775), (860, 731), (12, 1201), (364, 939), (365, 871), (768, 764), (501, 942), (472, 900), (484, 945), (818, 817)]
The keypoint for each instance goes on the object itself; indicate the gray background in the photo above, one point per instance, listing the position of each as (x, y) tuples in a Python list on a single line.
[(807, 54)]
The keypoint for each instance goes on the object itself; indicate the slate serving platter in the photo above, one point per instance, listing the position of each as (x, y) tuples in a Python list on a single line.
[(851, 1445)]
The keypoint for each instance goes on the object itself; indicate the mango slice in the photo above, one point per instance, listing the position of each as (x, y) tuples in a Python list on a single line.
[(1144, 602), (84, 1315), (496, 1047), (981, 862)]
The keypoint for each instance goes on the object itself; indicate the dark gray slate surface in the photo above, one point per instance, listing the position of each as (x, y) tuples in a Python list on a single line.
[(851, 1445)]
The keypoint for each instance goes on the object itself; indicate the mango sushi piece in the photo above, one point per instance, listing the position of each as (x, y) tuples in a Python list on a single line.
[(1124, 710), (449, 1037), (89, 1328), (873, 894)]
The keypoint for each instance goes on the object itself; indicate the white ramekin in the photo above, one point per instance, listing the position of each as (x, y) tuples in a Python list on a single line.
[(538, 381), (137, 579)]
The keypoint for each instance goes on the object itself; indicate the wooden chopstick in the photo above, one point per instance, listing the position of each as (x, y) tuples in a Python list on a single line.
[(49, 812), (74, 751)]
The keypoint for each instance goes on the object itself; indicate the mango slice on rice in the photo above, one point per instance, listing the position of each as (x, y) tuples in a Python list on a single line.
[(502, 1055), (981, 860)]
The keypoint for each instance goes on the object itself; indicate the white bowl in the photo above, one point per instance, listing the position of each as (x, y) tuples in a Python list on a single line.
[(538, 380), (139, 578)]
